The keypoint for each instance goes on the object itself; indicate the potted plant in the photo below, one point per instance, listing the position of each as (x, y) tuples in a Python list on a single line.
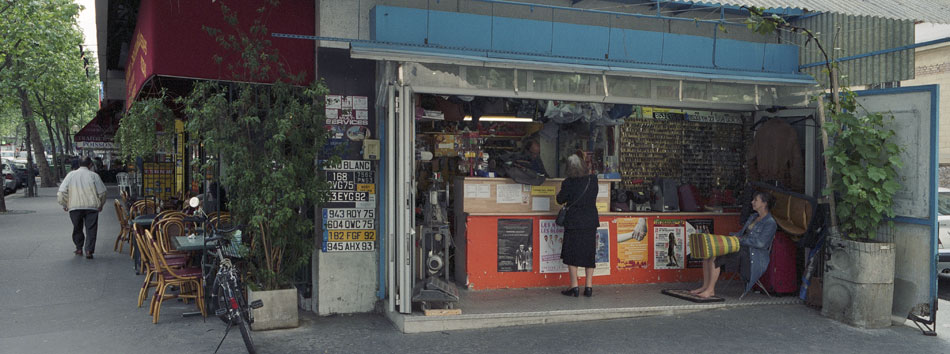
[(862, 166)]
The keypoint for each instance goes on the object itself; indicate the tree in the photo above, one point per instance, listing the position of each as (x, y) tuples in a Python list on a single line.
[(38, 69)]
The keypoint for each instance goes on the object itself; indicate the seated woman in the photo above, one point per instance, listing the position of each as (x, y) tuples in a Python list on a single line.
[(753, 256)]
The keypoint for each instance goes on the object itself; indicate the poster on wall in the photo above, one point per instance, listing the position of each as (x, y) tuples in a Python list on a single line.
[(632, 243), (669, 244), (702, 226), (347, 120), (552, 237), (514, 245), (602, 254)]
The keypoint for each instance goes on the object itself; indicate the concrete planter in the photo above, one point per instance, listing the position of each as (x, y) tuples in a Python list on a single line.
[(279, 311), (859, 282)]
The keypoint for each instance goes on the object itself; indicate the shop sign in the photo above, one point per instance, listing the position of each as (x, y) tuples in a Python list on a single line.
[(95, 145), (362, 246), (351, 165), (349, 224), (713, 117), (349, 235), (542, 190), (369, 188), (349, 196), (354, 176), (345, 213)]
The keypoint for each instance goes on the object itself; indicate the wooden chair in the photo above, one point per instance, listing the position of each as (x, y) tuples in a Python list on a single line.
[(125, 230), (149, 266), (170, 227), (170, 276), (143, 207)]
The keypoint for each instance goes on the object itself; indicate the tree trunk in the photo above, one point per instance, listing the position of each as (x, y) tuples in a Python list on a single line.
[(46, 178), (54, 172), (3, 201), (27, 113)]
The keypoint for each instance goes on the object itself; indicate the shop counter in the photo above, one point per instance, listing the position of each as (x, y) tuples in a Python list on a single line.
[(521, 249)]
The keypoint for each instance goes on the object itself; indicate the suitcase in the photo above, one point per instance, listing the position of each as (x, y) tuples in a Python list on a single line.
[(780, 277)]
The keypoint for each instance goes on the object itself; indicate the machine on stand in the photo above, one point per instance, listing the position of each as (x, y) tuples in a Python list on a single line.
[(434, 286)]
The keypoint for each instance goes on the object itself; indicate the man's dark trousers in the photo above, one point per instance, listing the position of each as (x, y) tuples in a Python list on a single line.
[(89, 218)]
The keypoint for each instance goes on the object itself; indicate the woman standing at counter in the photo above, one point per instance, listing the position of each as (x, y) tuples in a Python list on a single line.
[(579, 190)]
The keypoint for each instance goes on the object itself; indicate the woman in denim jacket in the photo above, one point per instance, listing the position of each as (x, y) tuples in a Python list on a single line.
[(755, 239)]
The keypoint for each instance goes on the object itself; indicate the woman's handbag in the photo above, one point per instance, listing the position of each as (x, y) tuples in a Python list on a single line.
[(709, 245), (562, 214)]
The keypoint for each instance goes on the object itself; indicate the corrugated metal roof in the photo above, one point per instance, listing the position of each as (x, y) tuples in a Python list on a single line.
[(934, 11)]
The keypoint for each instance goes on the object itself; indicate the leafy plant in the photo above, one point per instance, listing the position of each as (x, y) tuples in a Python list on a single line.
[(861, 160), (269, 136), (140, 134)]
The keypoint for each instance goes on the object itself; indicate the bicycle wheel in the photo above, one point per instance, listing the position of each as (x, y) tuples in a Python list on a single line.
[(245, 328), (219, 300)]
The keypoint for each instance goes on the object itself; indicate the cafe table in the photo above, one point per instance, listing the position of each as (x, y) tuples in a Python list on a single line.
[(144, 222)]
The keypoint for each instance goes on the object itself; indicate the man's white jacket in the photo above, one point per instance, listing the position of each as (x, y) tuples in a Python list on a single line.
[(82, 189)]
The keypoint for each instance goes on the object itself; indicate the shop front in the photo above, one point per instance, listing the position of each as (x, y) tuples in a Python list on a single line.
[(671, 145)]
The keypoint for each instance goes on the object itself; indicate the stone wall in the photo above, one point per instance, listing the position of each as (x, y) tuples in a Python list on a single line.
[(944, 177)]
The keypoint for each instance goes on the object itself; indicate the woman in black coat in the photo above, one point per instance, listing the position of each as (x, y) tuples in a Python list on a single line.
[(579, 191)]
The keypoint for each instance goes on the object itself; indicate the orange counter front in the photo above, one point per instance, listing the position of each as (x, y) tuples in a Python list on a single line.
[(510, 249)]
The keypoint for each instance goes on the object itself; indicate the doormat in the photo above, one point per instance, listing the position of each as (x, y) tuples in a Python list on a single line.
[(685, 295)]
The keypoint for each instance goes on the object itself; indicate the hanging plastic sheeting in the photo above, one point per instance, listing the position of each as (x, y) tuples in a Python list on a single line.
[(593, 113)]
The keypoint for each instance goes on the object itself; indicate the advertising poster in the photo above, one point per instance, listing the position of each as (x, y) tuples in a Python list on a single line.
[(552, 237), (702, 226), (632, 243), (514, 245), (602, 259), (669, 244)]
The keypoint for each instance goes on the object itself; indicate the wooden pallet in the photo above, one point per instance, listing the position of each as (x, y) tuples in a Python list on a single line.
[(443, 312)]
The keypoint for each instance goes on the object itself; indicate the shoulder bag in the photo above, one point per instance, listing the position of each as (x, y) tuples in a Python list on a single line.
[(562, 215)]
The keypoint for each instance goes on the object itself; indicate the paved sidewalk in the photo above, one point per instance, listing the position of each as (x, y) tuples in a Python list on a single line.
[(54, 302)]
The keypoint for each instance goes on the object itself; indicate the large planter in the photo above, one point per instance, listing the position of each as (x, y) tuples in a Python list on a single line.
[(279, 311), (859, 282)]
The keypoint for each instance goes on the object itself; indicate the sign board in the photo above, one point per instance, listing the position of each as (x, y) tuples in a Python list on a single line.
[(349, 224), (346, 213), (362, 246), (350, 235)]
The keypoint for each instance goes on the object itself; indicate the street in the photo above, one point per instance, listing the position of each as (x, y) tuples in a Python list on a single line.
[(54, 302)]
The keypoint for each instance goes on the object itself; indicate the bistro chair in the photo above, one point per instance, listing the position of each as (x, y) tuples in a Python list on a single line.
[(170, 227), (149, 266), (144, 207), (170, 276), (125, 230)]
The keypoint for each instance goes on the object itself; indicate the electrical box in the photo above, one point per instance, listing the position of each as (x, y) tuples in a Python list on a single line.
[(370, 149)]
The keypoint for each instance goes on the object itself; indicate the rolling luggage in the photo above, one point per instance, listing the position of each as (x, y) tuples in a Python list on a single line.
[(780, 277)]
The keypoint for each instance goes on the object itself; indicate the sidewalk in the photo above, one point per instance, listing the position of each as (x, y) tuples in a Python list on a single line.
[(54, 302)]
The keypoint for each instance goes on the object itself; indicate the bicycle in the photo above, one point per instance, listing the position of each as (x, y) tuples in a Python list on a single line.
[(228, 302)]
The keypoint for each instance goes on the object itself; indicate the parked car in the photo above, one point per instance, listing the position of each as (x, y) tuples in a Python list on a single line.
[(10, 184), (943, 232), (19, 170)]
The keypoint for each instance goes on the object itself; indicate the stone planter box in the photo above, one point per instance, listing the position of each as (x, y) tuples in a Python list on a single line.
[(279, 311), (859, 282)]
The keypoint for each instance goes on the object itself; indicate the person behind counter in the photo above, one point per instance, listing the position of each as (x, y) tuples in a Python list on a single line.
[(531, 157), (579, 190), (753, 256)]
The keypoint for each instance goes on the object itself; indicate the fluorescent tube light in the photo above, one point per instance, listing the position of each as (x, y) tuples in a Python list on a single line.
[(501, 119)]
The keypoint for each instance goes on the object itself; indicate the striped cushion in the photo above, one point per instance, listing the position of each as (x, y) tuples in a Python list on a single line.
[(709, 245)]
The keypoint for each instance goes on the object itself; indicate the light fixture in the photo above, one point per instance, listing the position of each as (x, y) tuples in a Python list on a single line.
[(511, 119)]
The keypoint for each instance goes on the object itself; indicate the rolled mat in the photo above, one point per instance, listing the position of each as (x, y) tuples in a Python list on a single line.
[(710, 245)]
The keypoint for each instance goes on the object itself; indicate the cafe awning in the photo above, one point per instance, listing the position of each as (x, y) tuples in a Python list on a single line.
[(171, 40), (100, 131)]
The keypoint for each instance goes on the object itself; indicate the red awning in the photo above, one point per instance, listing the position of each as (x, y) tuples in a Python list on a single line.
[(169, 39), (100, 131)]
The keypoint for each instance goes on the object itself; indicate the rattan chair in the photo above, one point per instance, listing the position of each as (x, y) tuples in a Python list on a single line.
[(167, 276), (125, 231)]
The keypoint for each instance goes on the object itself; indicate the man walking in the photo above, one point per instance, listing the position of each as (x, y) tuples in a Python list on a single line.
[(83, 194)]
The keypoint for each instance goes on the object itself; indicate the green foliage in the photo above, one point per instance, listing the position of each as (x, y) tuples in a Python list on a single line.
[(139, 134), (862, 159), (865, 164), (269, 137)]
